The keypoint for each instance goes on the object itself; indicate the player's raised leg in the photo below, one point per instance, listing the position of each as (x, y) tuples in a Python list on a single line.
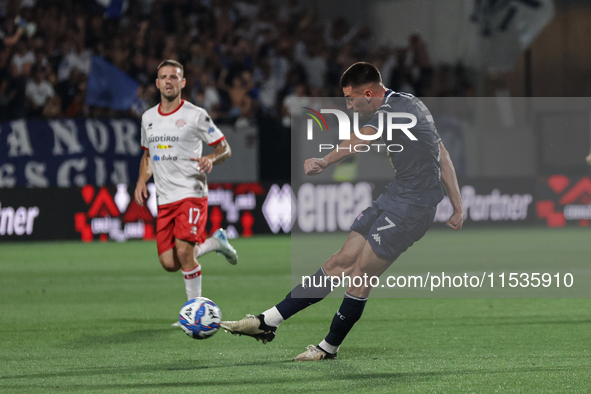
[(218, 242), (224, 246), (263, 326)]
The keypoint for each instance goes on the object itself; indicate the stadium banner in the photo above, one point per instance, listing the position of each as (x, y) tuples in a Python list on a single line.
[(99, 152), (332, 207), (28, 214), (93, 213), (492, 202), (563, 201), (69, 152)]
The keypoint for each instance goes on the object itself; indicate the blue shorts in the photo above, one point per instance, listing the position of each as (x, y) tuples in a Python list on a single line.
[(390, 232)]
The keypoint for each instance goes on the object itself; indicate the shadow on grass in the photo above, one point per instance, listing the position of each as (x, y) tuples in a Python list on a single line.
[(130, 321), (142, 321), (184, 365), (377, 379), (136, 336)]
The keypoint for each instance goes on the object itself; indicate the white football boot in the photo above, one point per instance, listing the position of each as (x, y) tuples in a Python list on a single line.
[(251, 326), (225, 248), (315, 353)]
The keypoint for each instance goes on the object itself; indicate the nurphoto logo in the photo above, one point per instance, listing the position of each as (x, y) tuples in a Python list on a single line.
[(385, 123)]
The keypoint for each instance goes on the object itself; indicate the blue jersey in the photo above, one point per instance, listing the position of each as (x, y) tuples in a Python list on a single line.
[(417, 166)]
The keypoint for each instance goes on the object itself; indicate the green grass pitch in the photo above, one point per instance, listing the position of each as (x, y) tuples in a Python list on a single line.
[(95, 318)]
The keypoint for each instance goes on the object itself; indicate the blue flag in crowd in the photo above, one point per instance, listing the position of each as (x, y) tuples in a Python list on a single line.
[(115, 9), (109, 87)]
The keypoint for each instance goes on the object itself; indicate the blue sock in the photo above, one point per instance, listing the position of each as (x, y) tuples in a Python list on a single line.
[(350, 311), (313, 292)]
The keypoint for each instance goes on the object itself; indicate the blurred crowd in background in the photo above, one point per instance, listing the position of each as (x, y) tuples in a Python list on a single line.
[(244, 60)]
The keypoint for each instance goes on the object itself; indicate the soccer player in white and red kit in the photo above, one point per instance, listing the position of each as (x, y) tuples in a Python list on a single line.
[(173, 133)]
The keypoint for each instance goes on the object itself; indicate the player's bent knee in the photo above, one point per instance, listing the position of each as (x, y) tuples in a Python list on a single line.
[(169, 267), (168, 262)]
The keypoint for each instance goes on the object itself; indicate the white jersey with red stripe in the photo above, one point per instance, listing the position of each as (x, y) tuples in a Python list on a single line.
[(171, 140)]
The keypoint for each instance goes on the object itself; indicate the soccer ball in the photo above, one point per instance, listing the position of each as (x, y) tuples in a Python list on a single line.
[(200, 318)]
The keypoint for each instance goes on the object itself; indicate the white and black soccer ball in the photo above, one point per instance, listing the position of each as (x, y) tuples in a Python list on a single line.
[(200, 318)]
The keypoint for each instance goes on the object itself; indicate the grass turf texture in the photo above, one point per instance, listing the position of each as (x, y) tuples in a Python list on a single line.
[(96, 318)]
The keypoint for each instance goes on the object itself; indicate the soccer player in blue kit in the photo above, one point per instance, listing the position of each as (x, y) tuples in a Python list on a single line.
[(400, 216)]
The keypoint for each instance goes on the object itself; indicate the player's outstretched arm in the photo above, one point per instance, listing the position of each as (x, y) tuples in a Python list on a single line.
[(315, 166), (450, 182), (141, 191), (220, 154)]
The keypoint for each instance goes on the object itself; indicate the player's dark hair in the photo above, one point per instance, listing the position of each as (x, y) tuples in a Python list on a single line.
[(174, 63), (360, 74)]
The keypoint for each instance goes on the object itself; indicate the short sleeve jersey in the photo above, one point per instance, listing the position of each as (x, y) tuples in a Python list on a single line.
[(417, 166), (171, 140)]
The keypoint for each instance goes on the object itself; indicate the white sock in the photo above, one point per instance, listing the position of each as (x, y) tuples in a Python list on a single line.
[(272, 317), (328, 347), (209, 245), (193, 282)]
